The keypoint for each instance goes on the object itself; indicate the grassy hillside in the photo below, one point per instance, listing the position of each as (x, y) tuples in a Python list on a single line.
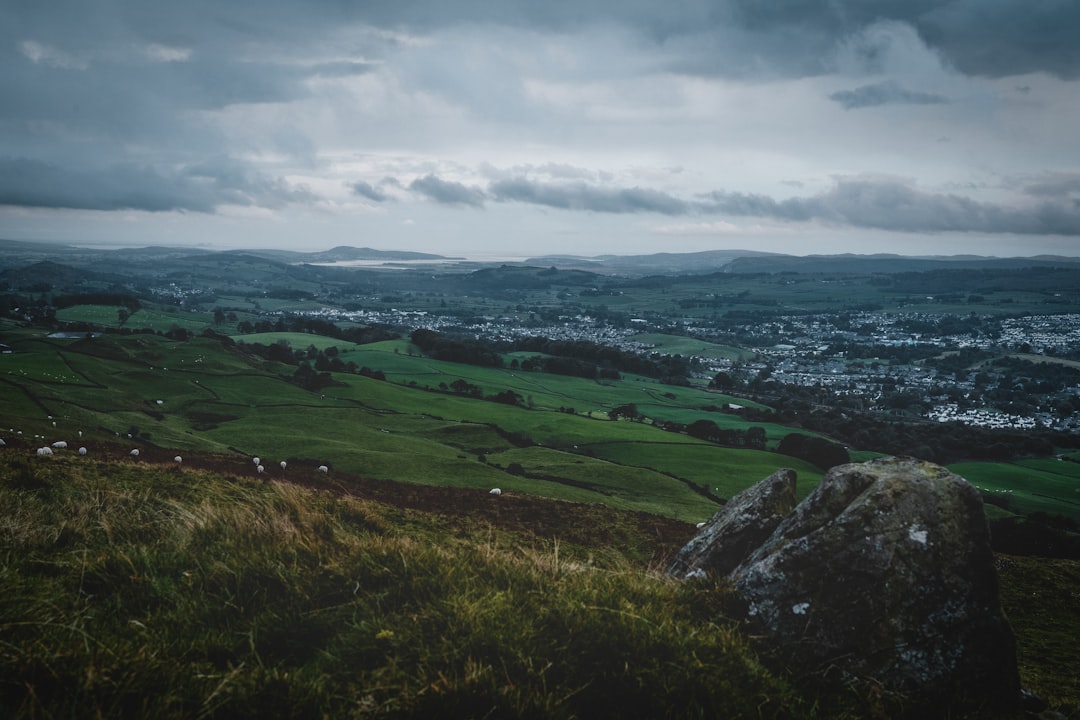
[(209, 395), (137, 589)]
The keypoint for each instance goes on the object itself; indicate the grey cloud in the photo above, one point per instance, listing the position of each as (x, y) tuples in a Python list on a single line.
[(1055, 185), (579, 196), (893, 205), (31, 183), (888, 92), (364, 189), (447, 192), (342, 69)]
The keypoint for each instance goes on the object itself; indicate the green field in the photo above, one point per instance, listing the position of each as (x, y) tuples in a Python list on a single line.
[(201, 394), (205, 394), (1027, 486)]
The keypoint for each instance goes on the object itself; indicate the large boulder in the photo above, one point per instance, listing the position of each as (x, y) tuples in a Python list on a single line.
[(885, 572), (746, 521)]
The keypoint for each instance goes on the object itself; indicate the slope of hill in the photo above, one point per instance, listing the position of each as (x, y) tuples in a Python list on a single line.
[(156, 589)]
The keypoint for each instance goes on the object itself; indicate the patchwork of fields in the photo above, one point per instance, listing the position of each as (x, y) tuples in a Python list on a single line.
[(205, 394)]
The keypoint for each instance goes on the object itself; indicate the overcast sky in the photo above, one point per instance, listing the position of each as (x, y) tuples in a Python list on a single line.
[(522, 127)]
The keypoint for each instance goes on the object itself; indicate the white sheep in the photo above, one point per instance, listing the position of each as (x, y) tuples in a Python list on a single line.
[(323, 468), (44, 451), (260, 469), (495, 491), (82, 451), (134, 453), (80, 433), (255, 460), (2, 443), (60, 445), (284, 464), (178, 459)]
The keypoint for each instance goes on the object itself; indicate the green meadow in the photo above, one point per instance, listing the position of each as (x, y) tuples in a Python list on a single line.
[(203, 394), (1038, 485), (559, 441)]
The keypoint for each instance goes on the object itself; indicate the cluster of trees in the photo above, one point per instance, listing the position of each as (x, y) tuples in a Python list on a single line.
[(673, 369), (816, 450), (942, 443), (752, 438), (564, 366), (463, 387), (578, 358), (469, 351), (317, 326)]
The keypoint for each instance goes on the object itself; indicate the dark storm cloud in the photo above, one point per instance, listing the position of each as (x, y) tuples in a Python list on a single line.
[(893, 205), (888, 92), (446, 192), (580, 196), (202, 188), (992, 38)]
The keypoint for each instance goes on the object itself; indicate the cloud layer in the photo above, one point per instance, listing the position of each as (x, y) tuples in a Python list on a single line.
[(401, 113)]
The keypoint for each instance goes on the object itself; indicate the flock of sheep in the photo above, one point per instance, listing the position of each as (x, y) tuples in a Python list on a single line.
[(47, 450), (62, 445)]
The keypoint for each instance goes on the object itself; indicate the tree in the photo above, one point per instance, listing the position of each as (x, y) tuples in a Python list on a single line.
[(816, 450), (722, 381)]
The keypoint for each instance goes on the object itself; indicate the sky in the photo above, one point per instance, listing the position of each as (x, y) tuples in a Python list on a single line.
[(515, 128)]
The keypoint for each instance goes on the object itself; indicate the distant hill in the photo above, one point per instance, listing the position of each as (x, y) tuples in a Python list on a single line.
[(654, 264), (868, 264), (750, 261), (346, 253)]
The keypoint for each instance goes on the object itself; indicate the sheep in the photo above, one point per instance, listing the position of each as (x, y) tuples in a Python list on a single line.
[(2, 443), (255, 460), (80, 433), (44, 451), (178, 459), (284, 465), (495, 491), (134, 453), (323, 468), (60, 445), (260, 469), (82, 451)]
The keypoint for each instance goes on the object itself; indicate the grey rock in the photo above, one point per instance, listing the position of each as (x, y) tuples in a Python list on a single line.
[(885, 572), (746, 521)]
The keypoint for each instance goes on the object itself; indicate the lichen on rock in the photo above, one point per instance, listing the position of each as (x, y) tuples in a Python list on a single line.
[(884, 572)]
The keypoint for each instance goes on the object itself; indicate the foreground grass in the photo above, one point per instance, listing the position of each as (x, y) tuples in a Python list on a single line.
[(134, 592)]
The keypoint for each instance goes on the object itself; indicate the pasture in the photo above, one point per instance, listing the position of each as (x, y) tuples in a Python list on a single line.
[(1027, 486), (202, 394)]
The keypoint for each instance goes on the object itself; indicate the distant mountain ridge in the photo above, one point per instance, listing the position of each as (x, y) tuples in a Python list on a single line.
[(15, 254), (750, 261), (887, 264), (347, 253)]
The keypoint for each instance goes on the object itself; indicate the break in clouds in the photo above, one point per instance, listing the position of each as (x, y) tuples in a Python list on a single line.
[(406, 108)]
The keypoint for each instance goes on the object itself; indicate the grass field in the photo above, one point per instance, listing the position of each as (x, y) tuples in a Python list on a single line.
[(1027, 486), (203, 394)]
